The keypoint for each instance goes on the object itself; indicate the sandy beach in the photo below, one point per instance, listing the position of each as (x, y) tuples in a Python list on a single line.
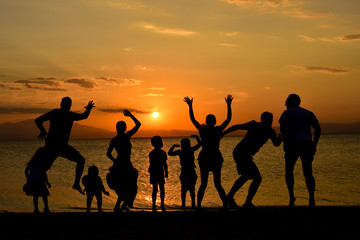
[(260, 223)]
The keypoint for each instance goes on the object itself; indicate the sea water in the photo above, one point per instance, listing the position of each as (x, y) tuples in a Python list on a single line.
[(336, 169)]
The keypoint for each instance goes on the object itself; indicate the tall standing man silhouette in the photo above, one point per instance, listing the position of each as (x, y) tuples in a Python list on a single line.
[(56, 140), (295, 127)]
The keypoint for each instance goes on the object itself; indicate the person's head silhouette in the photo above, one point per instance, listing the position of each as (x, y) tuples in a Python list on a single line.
[(185, 144), (93, 170), (66, 103), (293, 100), (121, 127), (156, 142), (210, 120), (267, 118)]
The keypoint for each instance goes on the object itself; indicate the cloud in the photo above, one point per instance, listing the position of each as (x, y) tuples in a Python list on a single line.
[(347, 38), (82, 82), (227, 45), (120, 110), (143, 68), (302, 13), (151, 95), (51, 84), (231, 34), (169, 31), (286, 7), (328, 70), (120, 82), (27, 110), (353, 37), (157, 88)]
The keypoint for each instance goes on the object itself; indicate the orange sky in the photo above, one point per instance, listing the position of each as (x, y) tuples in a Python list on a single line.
[(148, 55)]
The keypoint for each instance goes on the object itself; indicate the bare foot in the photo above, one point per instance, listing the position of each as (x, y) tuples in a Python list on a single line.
[(78, 188)]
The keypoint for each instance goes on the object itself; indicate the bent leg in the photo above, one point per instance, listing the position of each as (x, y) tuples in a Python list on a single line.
[(73, 155), (256, 176)]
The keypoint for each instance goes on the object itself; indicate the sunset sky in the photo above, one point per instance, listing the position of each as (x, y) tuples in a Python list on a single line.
[(148, 55)]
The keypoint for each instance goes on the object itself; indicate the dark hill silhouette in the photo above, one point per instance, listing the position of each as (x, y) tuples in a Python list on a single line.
[(27, 130)]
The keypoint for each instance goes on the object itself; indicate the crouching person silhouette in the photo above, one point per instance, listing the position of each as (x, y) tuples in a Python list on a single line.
[(258, 133)]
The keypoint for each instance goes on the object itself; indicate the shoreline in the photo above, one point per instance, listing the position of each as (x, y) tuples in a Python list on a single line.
[(334, 222)]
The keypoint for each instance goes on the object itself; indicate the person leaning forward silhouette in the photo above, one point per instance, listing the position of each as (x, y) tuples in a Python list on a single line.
[(295, 127), (56, 140)]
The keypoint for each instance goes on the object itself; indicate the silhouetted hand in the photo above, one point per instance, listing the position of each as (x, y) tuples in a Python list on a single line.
[(176, 145), (90, 105), (42, 135), (127, 113), (229, 99), (188, 100)]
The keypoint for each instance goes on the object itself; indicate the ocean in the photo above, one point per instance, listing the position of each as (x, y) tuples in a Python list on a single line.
[(336, 169)]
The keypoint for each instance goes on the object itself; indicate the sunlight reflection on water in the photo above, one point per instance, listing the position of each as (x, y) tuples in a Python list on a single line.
[(336, 170)]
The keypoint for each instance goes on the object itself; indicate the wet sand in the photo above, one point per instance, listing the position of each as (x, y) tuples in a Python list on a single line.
[(261, 223)]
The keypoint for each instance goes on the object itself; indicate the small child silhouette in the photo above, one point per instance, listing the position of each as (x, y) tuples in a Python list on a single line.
[(188, 175), (93, 187), (37, 180), (158, 169)]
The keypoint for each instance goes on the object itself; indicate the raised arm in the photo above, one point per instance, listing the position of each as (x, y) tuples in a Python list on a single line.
[(137, 123), (228, 101), (234, 128), (171, 151), (199, 143), (191, 112), (86, 114)]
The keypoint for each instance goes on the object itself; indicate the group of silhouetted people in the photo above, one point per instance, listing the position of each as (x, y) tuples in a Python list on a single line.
[(296, 124)]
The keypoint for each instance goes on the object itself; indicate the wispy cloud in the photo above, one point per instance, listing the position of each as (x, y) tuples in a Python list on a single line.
[(328, 70), (287, 7), (168, 31), (347, 38), (82, 83), (120, 81), (120, 110), (40, 83), (302, 13), (151, 95), (23, 110), (227, 45)]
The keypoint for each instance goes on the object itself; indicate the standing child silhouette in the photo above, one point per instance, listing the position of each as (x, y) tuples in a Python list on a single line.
[(188, 175), (93, 187), (37, 180), (210, 157), (158, 170)]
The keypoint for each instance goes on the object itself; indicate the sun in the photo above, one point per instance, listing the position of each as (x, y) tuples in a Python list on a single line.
[(155, 114)]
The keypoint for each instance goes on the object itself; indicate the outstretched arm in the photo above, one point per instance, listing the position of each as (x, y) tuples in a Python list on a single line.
[(137, 123), (234, 128), (191, 112), (228, 101), (276, 140)]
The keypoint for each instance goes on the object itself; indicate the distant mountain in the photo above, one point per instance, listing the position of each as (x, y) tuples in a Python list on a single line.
[(27, 130)]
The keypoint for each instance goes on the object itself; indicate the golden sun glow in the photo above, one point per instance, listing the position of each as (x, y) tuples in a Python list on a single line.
[(155, 114)]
